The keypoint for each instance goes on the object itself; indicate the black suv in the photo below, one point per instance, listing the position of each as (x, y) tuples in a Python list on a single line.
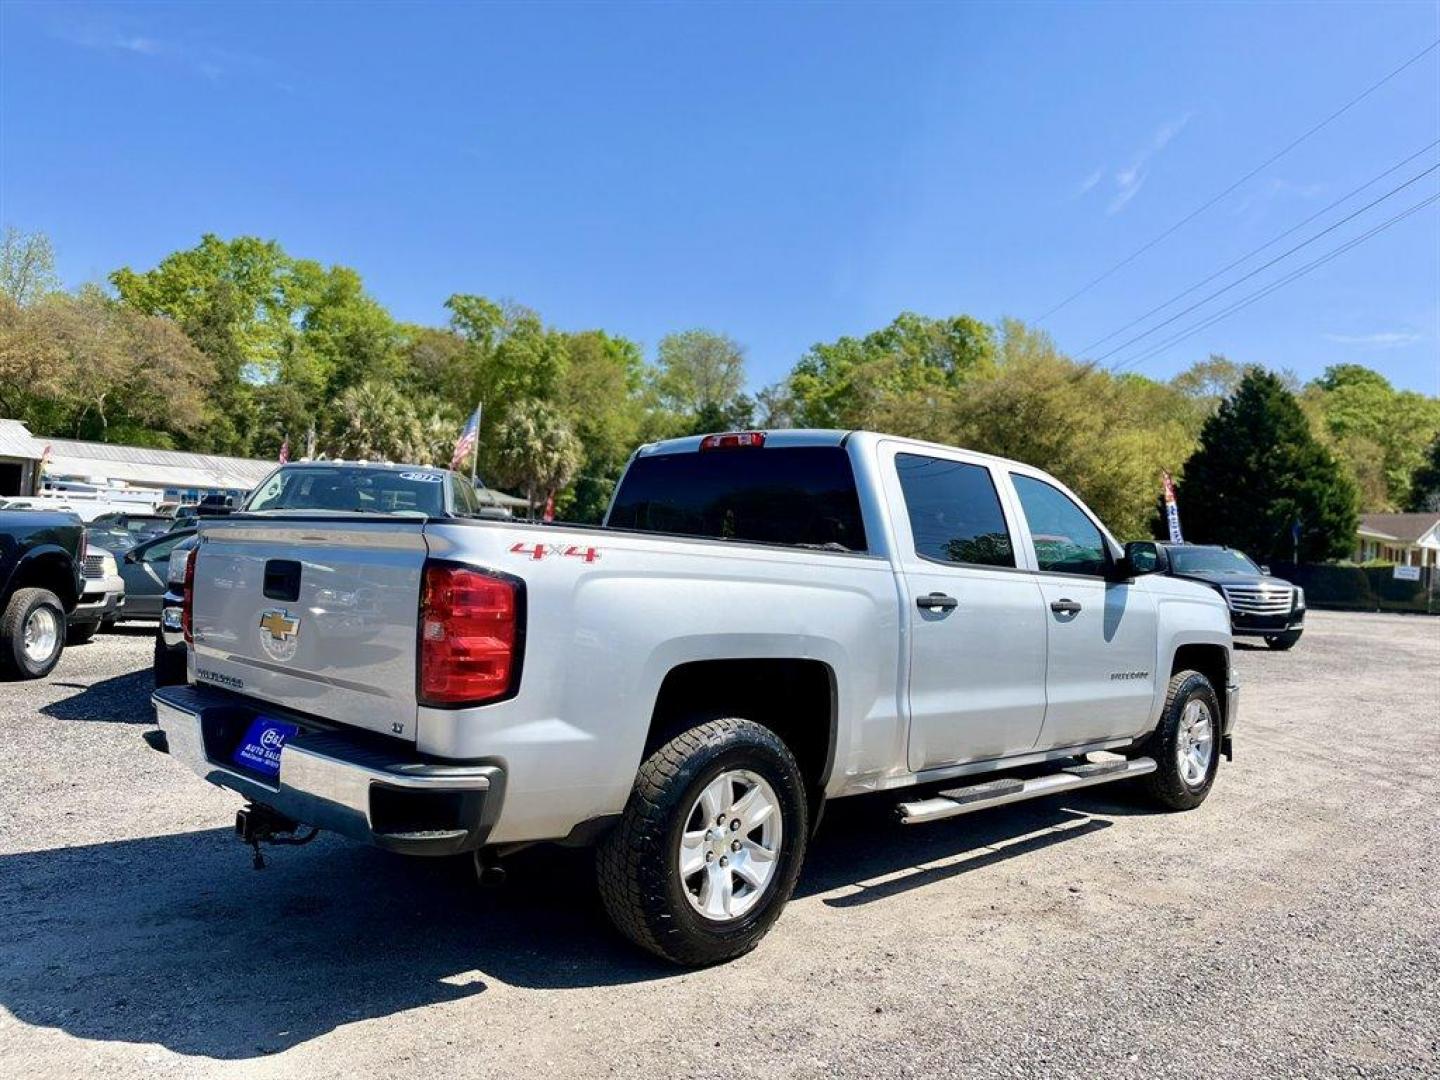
[(1260, 605)]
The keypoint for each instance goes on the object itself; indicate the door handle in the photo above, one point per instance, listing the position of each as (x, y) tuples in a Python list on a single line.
[(1065, 607), (937, 601)]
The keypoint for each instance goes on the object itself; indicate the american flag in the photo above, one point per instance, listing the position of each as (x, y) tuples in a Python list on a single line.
[(465, 445), (285, 450)]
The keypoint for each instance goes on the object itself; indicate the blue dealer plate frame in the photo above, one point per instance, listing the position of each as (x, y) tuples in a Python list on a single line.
[(259, 750)]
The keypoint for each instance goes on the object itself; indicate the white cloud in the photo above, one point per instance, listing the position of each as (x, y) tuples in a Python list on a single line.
[(1089, 182), (1385, 339), (1130, 178), (1129, 182), (142, 45), (103, 36)]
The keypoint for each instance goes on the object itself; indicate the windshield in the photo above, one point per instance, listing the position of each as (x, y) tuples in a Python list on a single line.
[(1213, 560), (352, 489)]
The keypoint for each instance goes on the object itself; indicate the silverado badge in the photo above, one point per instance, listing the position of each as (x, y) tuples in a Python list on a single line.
[(279, 633)]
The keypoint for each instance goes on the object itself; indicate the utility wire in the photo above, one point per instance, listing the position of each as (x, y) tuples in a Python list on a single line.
[(1248, 176), (1266, 265), (1268, 244), (1245, 301)]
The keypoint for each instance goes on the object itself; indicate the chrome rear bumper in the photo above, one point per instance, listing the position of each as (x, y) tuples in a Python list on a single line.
[(365, 787)]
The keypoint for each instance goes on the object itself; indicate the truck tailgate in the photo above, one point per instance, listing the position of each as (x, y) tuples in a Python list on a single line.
[(319, 615)]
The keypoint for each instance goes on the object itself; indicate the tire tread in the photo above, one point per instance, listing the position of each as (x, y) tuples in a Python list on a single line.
[(633, 882), (12, 632)]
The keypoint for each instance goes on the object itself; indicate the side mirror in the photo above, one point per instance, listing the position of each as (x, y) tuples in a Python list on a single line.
[(1264, 569), (130, 557), (1143, 557)]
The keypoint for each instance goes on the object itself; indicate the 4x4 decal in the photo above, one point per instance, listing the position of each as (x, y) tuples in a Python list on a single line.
[(540, 551)]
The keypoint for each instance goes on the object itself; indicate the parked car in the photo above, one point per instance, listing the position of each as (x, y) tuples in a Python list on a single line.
[(184, 517), (144, 569), (41, 553), (169, 660), (103, 599), (122, 530), (1261, 605), (765, 621)]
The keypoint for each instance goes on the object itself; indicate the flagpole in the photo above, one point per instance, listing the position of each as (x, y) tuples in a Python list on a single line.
[(475, 452)]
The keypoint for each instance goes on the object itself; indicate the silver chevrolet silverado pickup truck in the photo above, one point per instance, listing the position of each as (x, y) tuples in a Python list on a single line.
[(766, 620)]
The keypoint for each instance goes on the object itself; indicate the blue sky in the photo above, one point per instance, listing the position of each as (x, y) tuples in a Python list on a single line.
[(784, 174)]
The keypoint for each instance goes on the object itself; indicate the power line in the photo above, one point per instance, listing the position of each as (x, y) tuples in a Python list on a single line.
[(1256, 251), (1259, 294), (1248, 176), (1266, 265)]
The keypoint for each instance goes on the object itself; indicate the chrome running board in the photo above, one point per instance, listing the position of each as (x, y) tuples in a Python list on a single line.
[(965, 800)]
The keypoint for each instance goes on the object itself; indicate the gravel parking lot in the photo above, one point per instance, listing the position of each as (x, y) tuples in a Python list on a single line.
[(1286, 928)]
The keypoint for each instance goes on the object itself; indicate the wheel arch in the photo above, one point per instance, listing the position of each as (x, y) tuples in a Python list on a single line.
[(1209, 659), (797, 698), (46, 568)]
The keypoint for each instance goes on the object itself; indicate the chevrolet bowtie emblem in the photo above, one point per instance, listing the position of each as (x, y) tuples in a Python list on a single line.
[(279, 624)]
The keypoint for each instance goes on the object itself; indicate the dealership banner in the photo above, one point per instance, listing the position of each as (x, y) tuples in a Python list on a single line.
[(1172, 509)]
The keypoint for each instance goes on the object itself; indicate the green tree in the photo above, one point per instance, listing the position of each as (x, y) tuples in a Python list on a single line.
[(264, 319), (340, 337), (27, 266), (698, 369), (895, 376), (231, 287), (1425, 483), (601, 397), (536, 452), (1209, 381), (511, 354), (1379, 433), (1258, 471), (374, 422), (1095, 432), (87, 366)]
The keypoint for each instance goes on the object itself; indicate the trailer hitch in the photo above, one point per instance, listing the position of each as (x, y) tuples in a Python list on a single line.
[(256, 823)]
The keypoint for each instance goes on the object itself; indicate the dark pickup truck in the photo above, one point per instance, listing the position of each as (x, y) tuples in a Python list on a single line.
[(41, 555)]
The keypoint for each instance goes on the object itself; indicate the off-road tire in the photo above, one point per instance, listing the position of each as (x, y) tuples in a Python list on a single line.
[(81, 633), (13, 661), (1166, 786), (637, 864), (169, 665), (1283, 642)]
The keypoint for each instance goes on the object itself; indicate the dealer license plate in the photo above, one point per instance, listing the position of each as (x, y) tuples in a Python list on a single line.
[(259, 750)]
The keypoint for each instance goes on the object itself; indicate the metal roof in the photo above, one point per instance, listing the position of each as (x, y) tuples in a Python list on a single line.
[(16, 441), (76, 458)]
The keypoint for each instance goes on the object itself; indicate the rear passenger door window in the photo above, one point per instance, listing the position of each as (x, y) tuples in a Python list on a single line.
[(1066, 540), (954, 511)]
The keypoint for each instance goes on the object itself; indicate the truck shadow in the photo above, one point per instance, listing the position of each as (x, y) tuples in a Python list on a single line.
[(175, 940), (123, 699), (120, 700), (860, 844)]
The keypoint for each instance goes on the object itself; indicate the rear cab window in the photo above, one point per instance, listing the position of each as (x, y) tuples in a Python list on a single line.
[(799, 496), (352, 489)]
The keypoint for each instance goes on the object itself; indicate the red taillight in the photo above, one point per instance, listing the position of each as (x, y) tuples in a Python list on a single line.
[(187, 598), (734, 440), (470, 625)]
